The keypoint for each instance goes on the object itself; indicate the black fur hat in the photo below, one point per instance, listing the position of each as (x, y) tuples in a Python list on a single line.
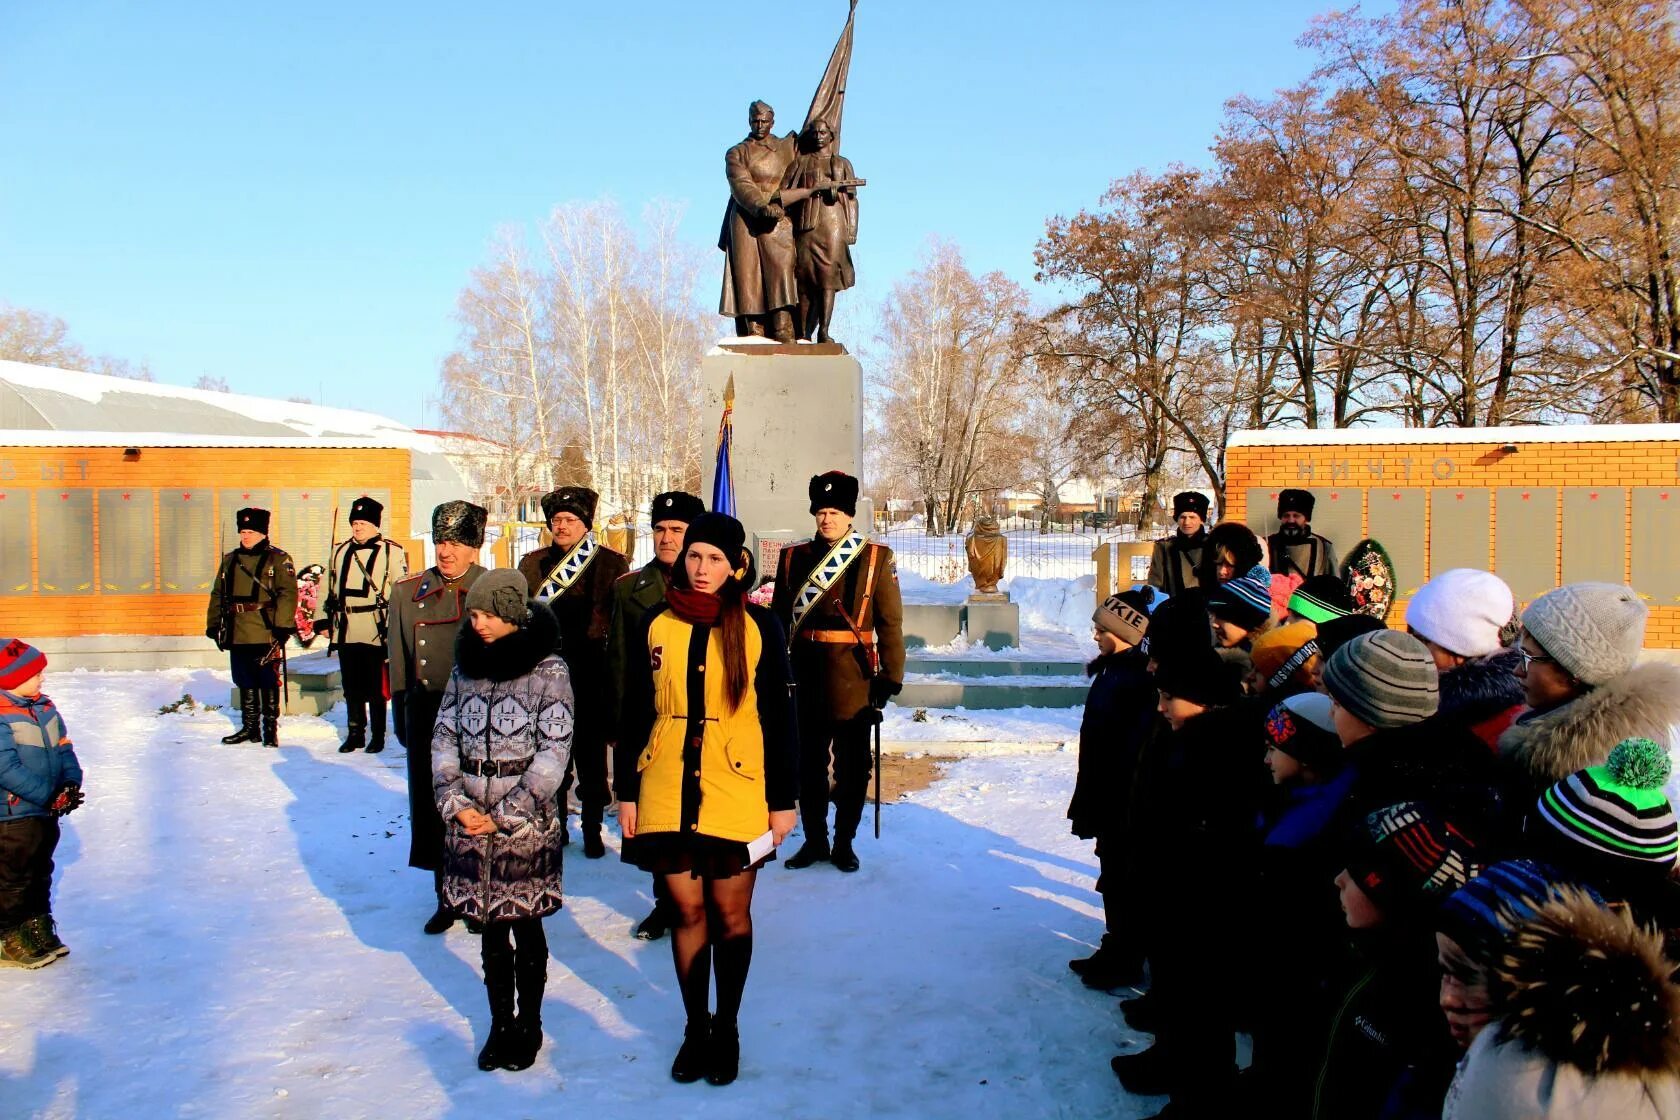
[(365, 508), (253, 519), (834, 490), (461, 522), (1190, 501), (675, 505), (577, 500), (1296, 501)]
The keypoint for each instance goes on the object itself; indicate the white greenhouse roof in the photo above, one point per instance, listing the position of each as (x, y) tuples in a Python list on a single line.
[(1559, 433)]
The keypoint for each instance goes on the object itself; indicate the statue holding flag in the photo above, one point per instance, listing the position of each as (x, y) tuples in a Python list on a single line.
[(771, 277)]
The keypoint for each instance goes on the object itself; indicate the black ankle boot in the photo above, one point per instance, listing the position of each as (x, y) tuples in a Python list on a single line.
[(248, 731), (271, 717), (814, 850), (723, 1062), (653, 926), (354, 740), (843, 858), (376, 726), (593, 846), (693, 1057)]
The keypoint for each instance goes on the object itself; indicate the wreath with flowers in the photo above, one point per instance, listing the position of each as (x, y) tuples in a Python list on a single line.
[(1369, 575)]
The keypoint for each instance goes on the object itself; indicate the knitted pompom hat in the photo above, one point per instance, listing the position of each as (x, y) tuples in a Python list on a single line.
[(1618, 812), (1245, 600)]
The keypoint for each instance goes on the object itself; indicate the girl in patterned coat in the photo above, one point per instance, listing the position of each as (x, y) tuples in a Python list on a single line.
[(499, 753)]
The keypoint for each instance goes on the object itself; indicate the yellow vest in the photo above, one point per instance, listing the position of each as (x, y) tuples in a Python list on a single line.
[(729, 757)]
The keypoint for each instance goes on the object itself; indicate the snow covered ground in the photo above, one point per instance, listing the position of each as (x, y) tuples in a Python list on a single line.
[(247, 944)]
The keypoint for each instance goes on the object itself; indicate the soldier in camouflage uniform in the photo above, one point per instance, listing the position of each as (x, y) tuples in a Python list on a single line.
[(252, 615), (427, 611)]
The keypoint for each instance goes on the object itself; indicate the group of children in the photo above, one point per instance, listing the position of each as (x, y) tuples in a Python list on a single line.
[(1429, 871)]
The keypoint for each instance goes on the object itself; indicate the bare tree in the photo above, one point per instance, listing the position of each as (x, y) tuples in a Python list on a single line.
[(40, 339)]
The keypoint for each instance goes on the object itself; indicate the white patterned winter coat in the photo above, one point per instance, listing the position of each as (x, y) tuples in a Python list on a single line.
[(501, 743)]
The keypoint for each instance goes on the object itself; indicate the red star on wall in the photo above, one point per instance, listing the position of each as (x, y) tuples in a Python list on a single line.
[(1334, 496), (1525, 497), (306, 497), (64, 497), (1461, 497), (126, 497), (186, 497)]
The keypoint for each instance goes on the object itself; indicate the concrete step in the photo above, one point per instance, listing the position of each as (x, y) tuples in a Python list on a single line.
[(992, 667), (992, 692)]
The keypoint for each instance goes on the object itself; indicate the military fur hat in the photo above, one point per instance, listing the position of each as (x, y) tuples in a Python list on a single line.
[(675, 506), (1296, 501), (579, 501), (461, 522), (834, 490), (365, 508), (253, 519), (1189, 501)]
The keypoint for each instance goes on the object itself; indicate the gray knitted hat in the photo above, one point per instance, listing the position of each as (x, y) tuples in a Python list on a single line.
[(1594, 630), (501, 592), (1385, 678)]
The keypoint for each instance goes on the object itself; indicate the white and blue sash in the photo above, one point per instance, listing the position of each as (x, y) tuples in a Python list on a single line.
[(824, 575), (566, 572)]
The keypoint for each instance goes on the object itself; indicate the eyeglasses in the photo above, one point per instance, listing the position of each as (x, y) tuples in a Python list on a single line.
[(1529, 659)]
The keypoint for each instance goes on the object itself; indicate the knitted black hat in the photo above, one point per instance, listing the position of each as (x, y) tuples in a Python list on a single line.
[(1408, 858), (834, 490), (579, 501), (253, 519), (460, 522), (722, 532), (1337, 632), (675, 506), (1320, 599), (1190, 501), (365, 508), (1177, 627), (1295, 501), (1201, 677)]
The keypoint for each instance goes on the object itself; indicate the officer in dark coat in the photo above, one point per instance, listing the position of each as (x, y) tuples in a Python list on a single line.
[(837, 597), (362, 576), (633, 596), (253, 614), (427, 611), (574, 576), (1295, 550), (1177, 563)]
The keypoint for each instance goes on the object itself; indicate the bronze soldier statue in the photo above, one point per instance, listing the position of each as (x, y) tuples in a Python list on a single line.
[(574, 577), (837, 597), (253, 614), (361, 578), (427, 611), (825, 227)]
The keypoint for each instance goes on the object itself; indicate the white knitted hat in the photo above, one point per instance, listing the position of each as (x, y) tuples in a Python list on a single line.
[(1595, 630), (1462, 610)]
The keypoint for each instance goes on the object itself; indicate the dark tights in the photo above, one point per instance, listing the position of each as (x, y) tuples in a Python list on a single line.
[(528, 951), (713, 933)]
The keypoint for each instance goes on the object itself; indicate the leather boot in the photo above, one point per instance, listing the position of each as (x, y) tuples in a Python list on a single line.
[(723, 1057), (527, 1038), (355, 739), (499, 984), (376, 725), (813, 851), (693, 1057), (843, 858), (593, 847), (271, 717), (248, 731), (443, 917)]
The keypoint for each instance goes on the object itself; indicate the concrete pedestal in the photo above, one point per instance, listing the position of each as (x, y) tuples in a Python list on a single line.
[(798, 412), (993, 624)]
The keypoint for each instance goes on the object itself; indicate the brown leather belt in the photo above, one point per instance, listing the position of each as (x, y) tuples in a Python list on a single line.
[(838, 637), (246, 608)]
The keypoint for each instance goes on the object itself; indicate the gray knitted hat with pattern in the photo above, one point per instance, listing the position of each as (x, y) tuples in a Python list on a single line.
[(1385, 678), (503, 593), (1594, 630)]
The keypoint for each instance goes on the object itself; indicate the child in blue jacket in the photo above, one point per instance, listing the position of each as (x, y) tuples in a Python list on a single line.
[(40, 781)]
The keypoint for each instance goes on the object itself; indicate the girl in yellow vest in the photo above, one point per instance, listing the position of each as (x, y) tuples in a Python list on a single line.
[(707, 774)]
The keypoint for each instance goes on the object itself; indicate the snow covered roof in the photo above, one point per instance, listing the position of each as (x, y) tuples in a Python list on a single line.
[(1560, 433), (44, 398), (14, 438)]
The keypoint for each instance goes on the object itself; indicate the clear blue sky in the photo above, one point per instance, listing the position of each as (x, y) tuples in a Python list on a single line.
[(290, 196)]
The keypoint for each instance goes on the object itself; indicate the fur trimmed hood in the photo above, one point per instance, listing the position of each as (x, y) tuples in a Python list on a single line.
[(511, 657), (1588, 1022), (1644, 701)]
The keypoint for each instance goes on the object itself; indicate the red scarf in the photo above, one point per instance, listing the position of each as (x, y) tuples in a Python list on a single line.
[(697, 608)]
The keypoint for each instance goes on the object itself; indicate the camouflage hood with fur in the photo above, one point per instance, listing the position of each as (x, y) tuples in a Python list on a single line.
[(1587, 1023)]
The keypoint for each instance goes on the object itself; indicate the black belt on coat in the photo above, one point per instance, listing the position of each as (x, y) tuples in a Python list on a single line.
[(362, 610), (494, 768)]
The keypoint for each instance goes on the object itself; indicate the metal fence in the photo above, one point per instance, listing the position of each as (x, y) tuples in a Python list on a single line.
[(1067, 551)]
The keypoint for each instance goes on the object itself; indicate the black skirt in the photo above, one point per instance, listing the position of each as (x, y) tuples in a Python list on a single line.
[(704, 857)]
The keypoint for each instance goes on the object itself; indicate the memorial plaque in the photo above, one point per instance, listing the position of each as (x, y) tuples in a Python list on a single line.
[(65, 541), (1656, 544), (229, 505), (1594, 534), (1525, 543), (187, 541), (1338, 514), (1460, 529), (305, 527), (126, 543), (1396, 520), (15, 526)]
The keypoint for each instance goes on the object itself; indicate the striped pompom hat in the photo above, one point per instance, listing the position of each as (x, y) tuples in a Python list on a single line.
[(1619, 810), (18, 662)]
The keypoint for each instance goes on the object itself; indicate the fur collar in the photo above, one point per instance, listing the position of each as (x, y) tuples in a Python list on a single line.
[(1481, 687), (1645, 700), (1585, 986), (511, 657)]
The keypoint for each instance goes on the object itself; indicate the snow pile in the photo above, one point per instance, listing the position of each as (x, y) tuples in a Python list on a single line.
[(1055, 604), (247, 943)]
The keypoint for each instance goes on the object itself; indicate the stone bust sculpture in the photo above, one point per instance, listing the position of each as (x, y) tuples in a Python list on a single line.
[(988, 551)]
